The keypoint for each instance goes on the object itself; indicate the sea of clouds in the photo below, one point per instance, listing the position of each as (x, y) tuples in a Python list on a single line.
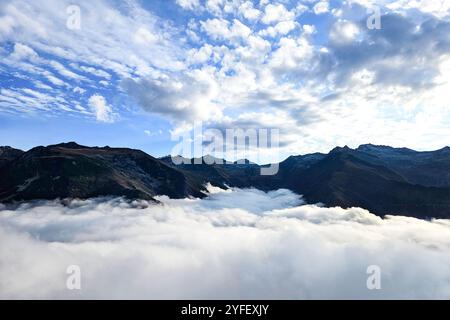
[(239, 244)]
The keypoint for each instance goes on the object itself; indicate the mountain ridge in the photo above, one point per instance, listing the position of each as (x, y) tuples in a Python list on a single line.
[(382, 179)]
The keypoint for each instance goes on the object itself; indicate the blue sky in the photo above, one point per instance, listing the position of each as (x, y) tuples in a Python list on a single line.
[(135, 72)]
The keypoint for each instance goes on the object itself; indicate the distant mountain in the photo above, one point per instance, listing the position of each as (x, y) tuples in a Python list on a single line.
[(425, 168), (217, 171), (382, 179), (70, 170), (348, 179)]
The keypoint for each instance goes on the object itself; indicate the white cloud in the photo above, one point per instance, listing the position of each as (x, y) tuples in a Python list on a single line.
[(291, 54), (107, 45), (344, 31), (309, 29), (321, 7), (79, 90), (102, 110), (221, 29), (239, 30), (31, 101), (6, 26), (153, 133), (54, 80), (276, 13), (38, 84), (241, 244), (439, 8), (143, 36), (62, 70), (200, 55), (184, 98), (281, 28), (188, 4), (214, 6), (23, 52), (216, 28), (248, 11), (96, 72), (25, 58)]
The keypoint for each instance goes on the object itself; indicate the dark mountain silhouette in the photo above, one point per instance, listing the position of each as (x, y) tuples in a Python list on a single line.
[(382, 179), (346, 179), (8, 154), (424, 168), (71, 170)]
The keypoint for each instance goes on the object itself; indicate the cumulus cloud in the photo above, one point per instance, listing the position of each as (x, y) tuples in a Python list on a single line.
[(182, 98), (248, 11), (275, 13), (234, 244), (220, 29), (188, 4), (439, 8), (102, 110), (343, 31), (321, 7), (283, 28)]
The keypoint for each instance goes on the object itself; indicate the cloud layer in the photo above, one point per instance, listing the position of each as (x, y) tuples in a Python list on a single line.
[(233, 244)]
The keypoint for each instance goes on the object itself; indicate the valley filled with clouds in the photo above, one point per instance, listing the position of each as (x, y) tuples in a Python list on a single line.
[(234, 244)]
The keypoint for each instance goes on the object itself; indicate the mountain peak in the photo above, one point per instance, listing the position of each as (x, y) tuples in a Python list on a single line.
[(5, 149), (341, 149), (243, 161), (68, 145), (8, 154), (372, 148), (444, 149)]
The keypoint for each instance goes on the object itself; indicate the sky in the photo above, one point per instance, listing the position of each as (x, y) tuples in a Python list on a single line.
[(137, 73)]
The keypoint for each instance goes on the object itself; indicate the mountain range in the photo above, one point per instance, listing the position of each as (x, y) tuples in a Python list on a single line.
[(381, 179)]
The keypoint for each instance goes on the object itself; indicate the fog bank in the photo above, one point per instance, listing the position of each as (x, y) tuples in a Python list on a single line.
[(233, 244)]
